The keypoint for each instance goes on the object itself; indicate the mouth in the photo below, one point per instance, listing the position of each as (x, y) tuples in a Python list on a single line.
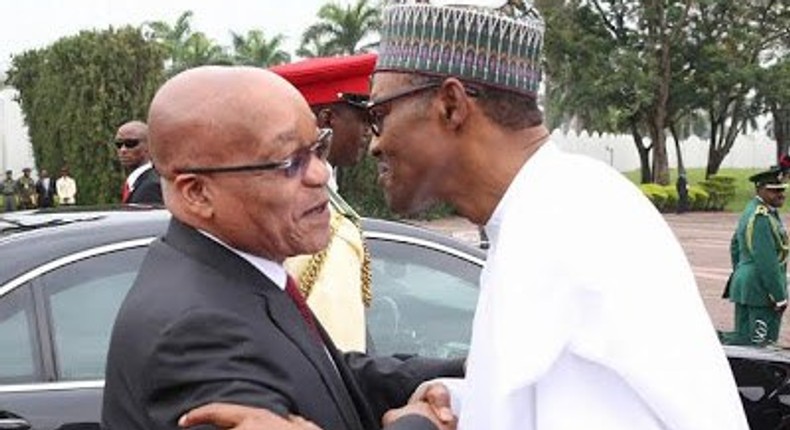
[(318, 209)]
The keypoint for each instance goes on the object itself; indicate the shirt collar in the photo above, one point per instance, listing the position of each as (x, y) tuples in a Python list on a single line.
[(272, 270), (132, 178)]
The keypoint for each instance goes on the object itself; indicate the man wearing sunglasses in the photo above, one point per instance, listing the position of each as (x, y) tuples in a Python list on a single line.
[(213, 316), (142, 182), (337, 280)]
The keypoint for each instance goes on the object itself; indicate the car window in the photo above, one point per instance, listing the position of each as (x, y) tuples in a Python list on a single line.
[(423, 300), (83, 299), (19, 357)]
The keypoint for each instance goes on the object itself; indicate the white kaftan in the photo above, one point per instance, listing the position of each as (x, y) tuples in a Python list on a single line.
[(590, 320)]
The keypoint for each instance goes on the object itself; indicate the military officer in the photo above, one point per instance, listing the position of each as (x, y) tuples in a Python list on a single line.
[(337, 280), (759, 248), (26, 190)]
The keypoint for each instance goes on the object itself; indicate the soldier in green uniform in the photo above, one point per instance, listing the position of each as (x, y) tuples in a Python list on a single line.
[(26, 190), (759, 248)]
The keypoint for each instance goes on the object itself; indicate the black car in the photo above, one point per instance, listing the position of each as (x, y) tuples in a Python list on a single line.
[(63, 275)]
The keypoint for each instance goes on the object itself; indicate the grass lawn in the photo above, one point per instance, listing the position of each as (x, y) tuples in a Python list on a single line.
[(744, 190)]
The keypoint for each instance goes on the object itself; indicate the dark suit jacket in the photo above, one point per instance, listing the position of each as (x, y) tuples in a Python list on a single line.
[(201, 324), (147, 189), (46, 196)]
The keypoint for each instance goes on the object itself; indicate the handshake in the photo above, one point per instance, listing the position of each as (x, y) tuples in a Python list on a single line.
[(430, 401)]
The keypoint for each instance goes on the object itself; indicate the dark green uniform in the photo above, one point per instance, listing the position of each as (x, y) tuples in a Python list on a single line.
[(759, 281)]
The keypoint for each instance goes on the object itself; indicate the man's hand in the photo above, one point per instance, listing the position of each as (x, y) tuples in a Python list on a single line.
[(437, 396), (237, 417), (780, 306), (419, 408)]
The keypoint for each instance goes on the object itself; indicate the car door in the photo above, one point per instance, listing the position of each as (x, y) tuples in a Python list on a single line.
[(424, 296), (59, 321)]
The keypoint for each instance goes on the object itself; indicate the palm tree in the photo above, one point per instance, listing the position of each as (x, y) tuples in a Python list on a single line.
[(174, 37), (185, 48), (340, 29), (255, 50)]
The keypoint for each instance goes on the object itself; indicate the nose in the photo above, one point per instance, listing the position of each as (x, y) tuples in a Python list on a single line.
[(317, 173)]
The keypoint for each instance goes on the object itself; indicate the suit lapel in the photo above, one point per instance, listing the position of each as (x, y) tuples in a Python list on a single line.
[(281, 310), (285, 315)]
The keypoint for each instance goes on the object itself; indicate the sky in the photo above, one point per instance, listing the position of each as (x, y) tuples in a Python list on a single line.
[(28, 24)]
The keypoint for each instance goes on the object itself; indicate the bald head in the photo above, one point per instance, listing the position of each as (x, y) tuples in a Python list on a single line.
[(203, 114), (131, 142), (208, 119)]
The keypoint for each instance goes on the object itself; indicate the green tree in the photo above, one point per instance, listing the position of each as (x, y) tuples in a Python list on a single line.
[(76, 92), (630, 47), (340, 29), (185, 48), (253, 49), (729, 42)]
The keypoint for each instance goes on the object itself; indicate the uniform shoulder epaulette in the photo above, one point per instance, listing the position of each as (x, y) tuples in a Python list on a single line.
[(761, 210)]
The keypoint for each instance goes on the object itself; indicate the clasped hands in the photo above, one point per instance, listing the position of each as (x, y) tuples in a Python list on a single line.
[(430, 400)]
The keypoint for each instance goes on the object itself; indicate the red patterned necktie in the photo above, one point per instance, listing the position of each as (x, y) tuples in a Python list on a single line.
[(125, 191), (296, 296)]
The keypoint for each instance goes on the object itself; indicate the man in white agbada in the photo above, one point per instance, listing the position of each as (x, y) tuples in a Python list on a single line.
[(585, 320)]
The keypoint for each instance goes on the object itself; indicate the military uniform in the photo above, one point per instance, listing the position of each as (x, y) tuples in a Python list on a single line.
[(337, 280), (26, 190), (758, 285), (8, 190)]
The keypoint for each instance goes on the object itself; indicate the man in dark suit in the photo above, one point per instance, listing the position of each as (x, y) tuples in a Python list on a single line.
[(213, 316), (142, 183), (45, 189)]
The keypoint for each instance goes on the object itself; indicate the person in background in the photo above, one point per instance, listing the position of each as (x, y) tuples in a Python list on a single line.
[(758, 251), (212, 315), (682, 187), (26, 190), (142, 182), (337, 280), (45, 189), (572, 309), (66, 188), (9, 190)]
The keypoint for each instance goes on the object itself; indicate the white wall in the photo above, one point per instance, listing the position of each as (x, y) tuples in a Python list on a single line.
[(754, 150), (15, 150)]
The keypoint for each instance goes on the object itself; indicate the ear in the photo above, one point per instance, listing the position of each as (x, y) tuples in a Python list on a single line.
[(325, 117), (196, 194), (456, 104)]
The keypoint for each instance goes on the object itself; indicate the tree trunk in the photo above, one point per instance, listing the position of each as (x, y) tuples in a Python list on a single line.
[(781, 131), (681, 167), (644, 154)]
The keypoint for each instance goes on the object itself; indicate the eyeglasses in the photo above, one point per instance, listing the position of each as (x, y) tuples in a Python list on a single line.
[(291, 166), (376, 116), (128, 143)]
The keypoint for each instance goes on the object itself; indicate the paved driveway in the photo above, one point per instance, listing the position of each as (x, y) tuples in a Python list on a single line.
[(704, 236)]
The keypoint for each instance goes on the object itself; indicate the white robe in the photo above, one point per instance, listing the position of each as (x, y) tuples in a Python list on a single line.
[(589, 316)]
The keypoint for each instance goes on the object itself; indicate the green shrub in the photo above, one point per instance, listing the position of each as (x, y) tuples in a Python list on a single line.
[(720, 189), (657, 194), (698, 198), (671, 203)]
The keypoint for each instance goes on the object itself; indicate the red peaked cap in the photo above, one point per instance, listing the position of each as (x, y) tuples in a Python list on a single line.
[(321, 80)]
